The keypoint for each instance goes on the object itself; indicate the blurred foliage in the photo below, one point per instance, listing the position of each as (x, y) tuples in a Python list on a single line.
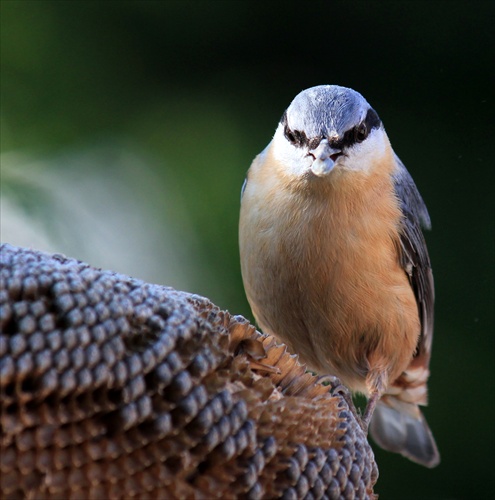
[(197, 88)]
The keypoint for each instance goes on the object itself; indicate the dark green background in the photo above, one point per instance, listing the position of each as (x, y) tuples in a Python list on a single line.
[(200, 86)]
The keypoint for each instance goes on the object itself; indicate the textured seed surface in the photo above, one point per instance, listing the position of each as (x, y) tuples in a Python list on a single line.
[(115, 388)]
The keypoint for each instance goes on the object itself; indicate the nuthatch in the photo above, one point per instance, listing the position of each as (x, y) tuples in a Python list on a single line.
[(334, 262)]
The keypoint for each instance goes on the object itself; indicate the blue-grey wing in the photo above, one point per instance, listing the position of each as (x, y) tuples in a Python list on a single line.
[(243, 188), (409, 195), (414, 256)]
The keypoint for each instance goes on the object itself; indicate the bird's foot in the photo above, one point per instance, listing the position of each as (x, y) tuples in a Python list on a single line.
[(342, 391), (368, 412)]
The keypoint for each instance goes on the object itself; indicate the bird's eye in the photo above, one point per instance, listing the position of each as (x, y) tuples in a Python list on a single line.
[(361, 132), (291, 136), (295, 137)]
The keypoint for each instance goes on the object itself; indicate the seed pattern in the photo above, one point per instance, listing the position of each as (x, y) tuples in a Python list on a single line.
[(115, 388)]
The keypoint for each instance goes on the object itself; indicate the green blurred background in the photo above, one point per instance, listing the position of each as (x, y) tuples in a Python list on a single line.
[(128, 126)]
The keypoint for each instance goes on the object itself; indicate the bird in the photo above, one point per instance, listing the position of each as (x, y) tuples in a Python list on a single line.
[(334, 261)]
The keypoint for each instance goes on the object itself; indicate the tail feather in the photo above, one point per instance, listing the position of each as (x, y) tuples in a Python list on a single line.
[(401, 428)]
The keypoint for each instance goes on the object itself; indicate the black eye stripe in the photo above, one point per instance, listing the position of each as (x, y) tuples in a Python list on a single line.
[(355, 135), (313, 143), (372, 120), (295, 137), (283, 120), (359, 132)]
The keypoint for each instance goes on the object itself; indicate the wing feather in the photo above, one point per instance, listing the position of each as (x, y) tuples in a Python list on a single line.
[(414, 256)]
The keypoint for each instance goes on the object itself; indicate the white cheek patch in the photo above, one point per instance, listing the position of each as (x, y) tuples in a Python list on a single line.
[(358, 157), (295, 160)]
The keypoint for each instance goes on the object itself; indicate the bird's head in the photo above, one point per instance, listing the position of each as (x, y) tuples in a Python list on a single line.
[(326, 128)]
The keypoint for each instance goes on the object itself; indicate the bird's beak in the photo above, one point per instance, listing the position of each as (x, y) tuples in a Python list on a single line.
[(324, 158)]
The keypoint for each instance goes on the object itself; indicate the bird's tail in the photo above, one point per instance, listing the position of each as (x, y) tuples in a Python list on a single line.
[(400, 427)]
